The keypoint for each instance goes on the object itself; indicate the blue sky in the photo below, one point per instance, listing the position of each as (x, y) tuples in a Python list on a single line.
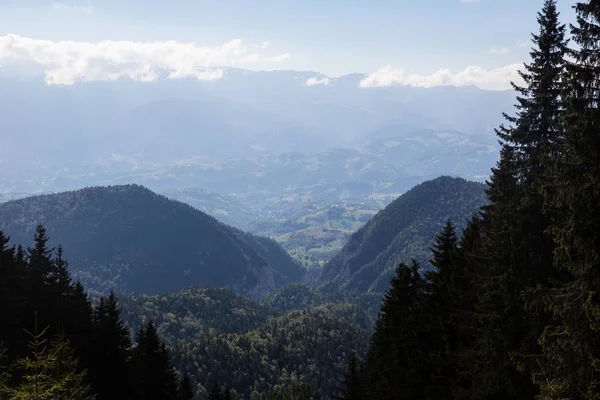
[(330, 36)]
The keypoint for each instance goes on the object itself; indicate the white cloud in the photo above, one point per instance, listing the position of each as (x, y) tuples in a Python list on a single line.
[(492, 79), (264, 45), (62, 6), (316, 80), (502, 50), (522, 43), (66, 62)]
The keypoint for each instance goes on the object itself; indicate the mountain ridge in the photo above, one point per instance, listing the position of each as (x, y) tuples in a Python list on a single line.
[(136, 241), (403, 230)]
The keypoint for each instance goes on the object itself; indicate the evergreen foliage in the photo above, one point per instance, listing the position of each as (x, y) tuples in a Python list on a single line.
[(88, 355), (511, 310), (402, 231), (122, 237)]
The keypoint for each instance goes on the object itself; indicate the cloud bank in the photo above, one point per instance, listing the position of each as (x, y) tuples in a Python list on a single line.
[(491, 79), (67, 62)]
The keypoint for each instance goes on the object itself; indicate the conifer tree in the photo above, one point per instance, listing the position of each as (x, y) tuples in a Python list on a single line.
[(501, 320), (79, 325), (50, 372), (155, 375), (395, 359), (111, 351), (350, 387), (517, 249), (534, 132), (442, 302), (216, 393), (570, 365), (12, 298), (185, 390), (61, 278), (467, 283), (40, 267)]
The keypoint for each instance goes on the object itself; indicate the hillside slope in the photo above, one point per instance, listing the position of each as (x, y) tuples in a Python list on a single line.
[(214, 334), (403, 230), (135, 241)]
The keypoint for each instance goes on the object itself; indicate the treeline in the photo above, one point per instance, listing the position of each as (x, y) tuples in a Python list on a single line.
[(55, 345), (512, 309)]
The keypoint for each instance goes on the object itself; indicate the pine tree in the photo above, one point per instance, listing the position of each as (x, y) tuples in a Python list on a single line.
[(61, 278), (51, 372), (155, 374), (442, 304), (79, 324), (467, 282), (350, 388), (40, 267), (185, 390), (570, 365), (535, 131), (395, 359), (517, 248), (13, 298), (216, 393), (501, 321), (110, 356)]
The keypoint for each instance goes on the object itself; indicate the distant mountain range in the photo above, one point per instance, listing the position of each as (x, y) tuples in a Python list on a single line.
[(261, 151), (405, 229), (244, 115), (134, 241), (388, 165)]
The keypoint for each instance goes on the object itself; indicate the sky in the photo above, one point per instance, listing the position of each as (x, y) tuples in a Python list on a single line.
[(417, 42)]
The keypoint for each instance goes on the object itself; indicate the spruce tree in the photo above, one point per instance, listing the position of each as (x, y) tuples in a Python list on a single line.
[(440, 303), (467, 282), (350, 387), (570, 365), (13, 298), (155, 375), (40, 294), (395, 357), (50, 372), (501, 320), (216, 393), (517, 248), (185, 390), (110, 356)]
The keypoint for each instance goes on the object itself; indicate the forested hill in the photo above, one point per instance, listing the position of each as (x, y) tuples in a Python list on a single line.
[(135, 241), (296, 336), (404, 229)]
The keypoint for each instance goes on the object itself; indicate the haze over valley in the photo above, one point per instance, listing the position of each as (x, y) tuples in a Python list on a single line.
[(299, 200)]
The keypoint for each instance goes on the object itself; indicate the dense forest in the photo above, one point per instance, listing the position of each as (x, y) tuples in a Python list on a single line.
[(511, 310), (58, 342), (507, 308), (294, 335), (55, 345), (401, 231), (124, 238)]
